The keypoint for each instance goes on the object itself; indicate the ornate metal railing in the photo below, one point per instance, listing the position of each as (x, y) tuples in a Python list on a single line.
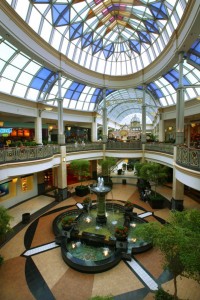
[(17, 154), (160, 147), (188, 157), (83, 147), (99, 146), (124, 146)]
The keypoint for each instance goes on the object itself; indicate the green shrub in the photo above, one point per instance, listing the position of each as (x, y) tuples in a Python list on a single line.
[(101, 298), (162, 295), (4, 222)]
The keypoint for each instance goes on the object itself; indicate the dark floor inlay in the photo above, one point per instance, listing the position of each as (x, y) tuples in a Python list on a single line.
[(36, 283), (28, 237)]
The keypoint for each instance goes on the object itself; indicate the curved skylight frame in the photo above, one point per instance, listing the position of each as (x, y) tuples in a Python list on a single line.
[(116, 39), (24, 77), (122, 105)]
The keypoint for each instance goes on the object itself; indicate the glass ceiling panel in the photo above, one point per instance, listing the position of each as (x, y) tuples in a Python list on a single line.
[(21, 76), (117, 37)]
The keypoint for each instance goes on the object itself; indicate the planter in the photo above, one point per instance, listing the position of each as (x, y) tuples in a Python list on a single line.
[(157, 204), (120, 237), (82, 190), (156, 200), (67, 223), (66, 227), (121, 233)]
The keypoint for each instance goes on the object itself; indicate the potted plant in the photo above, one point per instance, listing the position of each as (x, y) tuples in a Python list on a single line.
[(106, 166), (124, 167), (157, 174), (128, 206), (121, 233), (67, 222), (87, 202), (80, 168), (5, 219)]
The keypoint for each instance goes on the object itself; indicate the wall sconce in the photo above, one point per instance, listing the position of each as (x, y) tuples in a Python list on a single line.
[(50, 128), (193, 125), (1, 124), (64, 159), (170, 128), (69, 128), (14, 180)]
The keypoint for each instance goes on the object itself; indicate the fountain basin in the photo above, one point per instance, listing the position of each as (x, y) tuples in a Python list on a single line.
[(92, 239), (90, 260)]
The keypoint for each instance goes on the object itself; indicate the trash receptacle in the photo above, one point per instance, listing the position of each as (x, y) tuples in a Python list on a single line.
[(26, 218), (123, 181)]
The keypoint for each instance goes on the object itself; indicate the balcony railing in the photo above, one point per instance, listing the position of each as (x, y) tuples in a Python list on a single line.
[(99, 146), (188, 158), (160, 147), (124, 146), (16, 154), (83, 147)]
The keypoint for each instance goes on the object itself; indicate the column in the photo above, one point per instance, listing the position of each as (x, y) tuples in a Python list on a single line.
[(143, 135), (105, 125), (188, 134), (180, 104), (94, 130), (62, 175), (178, 189), (61, 136), (38, 128), (161, 133)]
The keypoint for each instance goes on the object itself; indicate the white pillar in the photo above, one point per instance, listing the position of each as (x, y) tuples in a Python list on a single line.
[(38, 128), (177, 190), (94, 130), (188, 134), (143, 135), (62, 174), (180, 104), (161, 135), (61, 136), (105, 125)]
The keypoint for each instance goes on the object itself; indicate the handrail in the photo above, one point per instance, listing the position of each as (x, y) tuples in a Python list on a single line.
[(99, 146), (83, 147), (17, 154), (160, 147), (188, 157)]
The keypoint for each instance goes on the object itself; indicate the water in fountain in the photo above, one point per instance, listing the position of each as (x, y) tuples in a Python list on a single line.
[(92, 247)]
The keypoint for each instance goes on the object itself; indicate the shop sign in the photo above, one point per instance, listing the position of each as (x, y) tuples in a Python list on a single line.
[(5, 130)]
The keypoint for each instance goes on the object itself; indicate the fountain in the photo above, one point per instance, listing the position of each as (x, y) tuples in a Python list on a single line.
[(101, 192), (90, 244)]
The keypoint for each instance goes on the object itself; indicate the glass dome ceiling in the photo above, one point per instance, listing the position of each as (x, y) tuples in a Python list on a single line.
[(23, 76), (113, 37)]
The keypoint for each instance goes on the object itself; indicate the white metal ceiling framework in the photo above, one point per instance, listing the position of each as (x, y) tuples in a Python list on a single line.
[(137, 32)]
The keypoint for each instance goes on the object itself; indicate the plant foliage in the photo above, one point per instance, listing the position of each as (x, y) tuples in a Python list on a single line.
[(106, 165), (178, 241), (80, 168), (155, 173), (5, 219)]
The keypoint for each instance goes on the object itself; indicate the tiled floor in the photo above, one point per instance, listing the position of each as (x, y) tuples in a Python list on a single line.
[(34, 268)]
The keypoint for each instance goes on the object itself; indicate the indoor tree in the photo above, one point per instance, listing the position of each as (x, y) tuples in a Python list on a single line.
[(106, 164), (178, 241), (80, 168), (154, 172)]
